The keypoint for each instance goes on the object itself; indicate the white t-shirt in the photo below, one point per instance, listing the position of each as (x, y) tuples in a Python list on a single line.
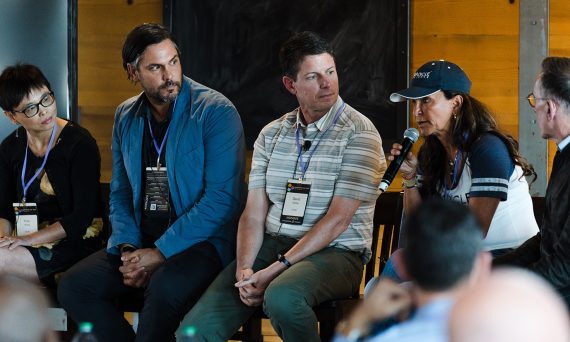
[(490, 172)]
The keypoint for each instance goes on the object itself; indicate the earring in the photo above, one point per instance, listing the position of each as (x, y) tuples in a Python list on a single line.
[(454, 116)]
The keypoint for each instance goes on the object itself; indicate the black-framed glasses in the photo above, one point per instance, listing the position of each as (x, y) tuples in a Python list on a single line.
[(33, 109), (532, 99)]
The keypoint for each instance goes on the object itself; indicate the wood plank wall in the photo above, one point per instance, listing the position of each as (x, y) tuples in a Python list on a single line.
[(481, 36), (102, 82)]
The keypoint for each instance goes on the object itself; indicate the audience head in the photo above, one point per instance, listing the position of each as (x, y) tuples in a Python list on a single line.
[(510, 305), (152, 58), (17, 82), (23, 312), (550, 98), (555, 80), (443, 244), (297, 47), (139, 39)]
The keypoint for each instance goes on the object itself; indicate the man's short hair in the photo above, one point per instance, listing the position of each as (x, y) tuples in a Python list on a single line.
[(443, 241), (297, 47), (555, 79), (139, 38), (18, 81)]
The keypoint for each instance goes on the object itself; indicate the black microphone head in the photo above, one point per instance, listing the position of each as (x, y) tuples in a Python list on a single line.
[(306, 145), (412, 134)]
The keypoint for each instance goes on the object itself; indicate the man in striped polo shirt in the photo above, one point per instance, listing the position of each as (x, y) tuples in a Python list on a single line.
[(306, 230)]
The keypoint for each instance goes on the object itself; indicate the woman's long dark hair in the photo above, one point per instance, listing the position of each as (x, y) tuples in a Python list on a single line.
[(473, 120)]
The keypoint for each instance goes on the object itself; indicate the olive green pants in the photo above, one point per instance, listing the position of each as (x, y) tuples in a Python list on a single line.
[(329, 274)]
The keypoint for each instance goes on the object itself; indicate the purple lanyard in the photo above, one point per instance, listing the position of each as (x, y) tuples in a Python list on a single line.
[(303, 166), (25, 185), (156, 147)]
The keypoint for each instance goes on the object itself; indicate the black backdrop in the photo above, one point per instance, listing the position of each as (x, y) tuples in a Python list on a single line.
[(232, 46)]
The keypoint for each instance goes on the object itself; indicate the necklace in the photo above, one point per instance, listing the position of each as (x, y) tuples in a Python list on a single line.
[(453, 170), (451, 163)]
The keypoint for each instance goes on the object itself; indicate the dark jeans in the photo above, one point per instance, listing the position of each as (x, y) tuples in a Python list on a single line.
[(89, 290)]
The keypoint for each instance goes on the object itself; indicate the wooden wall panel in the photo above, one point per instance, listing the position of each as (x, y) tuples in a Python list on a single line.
[(481, 37), (102, 82)]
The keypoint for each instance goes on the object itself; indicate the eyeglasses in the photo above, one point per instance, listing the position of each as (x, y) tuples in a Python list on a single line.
[(532, 99), (33, 109)]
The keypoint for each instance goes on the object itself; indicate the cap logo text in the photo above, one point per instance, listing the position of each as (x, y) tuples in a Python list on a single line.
[(422, 74)]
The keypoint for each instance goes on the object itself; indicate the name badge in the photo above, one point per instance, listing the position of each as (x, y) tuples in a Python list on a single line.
[(157, 193), (26, 218), (295, 203)]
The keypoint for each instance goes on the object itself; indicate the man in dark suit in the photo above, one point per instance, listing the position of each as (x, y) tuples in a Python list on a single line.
[(548, 253)]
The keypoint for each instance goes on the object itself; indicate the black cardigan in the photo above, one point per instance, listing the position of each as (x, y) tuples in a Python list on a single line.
[(548, 253), (73, 168)]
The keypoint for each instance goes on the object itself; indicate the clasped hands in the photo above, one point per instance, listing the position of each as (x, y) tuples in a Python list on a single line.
[(138, 266), (251, 286)]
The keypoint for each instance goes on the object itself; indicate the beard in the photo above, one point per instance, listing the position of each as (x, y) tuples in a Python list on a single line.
[(163, 95)]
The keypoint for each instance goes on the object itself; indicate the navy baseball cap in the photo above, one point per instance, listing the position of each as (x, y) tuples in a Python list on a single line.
[(432, 77)]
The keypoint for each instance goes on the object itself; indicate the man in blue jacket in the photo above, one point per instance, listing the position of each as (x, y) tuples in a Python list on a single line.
[(176, 193)]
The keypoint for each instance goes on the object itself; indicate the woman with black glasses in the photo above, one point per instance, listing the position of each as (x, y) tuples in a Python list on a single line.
[(49, 182)]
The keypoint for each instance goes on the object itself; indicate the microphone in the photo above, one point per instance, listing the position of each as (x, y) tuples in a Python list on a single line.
[(411, 135), (306, 145)]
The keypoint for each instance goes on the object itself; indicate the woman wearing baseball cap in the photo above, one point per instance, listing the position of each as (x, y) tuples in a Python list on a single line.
[(465, 157)]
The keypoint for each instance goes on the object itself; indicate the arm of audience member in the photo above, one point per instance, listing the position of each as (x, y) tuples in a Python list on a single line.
[(556, 265), (484, 209), (224, 165), (85, 164), (250, 232), (491, 169), (387, 299), (121, 211), (48, 234), (249, 240)]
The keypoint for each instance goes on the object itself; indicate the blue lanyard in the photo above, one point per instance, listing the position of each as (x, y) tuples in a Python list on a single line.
[(303, 166), (25, 185), (156, 147)]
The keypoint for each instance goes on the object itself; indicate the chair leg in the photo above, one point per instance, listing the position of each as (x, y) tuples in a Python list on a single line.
[(252, 330), (326, 330)]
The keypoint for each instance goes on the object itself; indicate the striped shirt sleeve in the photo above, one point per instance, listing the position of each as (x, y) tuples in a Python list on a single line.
[(363, 164), (492, 167)]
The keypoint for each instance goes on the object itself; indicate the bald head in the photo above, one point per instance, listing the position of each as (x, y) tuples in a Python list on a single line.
[(23, 311), (511, 305)]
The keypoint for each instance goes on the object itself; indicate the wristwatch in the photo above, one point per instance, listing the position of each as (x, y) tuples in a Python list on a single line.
[(281, 258)]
